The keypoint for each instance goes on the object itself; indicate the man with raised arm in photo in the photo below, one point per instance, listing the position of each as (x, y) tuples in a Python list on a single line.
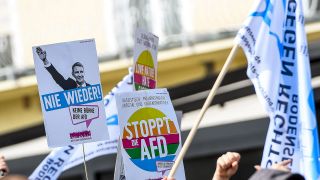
[(65, 84)]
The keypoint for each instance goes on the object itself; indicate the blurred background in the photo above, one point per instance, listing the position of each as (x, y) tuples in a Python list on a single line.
[(195, 39)]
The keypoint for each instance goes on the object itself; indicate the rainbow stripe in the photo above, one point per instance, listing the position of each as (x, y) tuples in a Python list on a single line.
[(163, 130), (138, 81), (135, 153), (142, 132), (170, 139)]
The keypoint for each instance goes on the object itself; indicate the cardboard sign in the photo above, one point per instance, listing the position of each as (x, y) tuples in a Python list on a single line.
[(150, 136), (145, 60), (70, 92)]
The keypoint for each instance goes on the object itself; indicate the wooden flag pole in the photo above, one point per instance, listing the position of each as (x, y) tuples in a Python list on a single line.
[(84, 163), (203, 110)]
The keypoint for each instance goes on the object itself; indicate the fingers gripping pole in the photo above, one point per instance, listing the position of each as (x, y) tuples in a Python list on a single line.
[(203, 110)]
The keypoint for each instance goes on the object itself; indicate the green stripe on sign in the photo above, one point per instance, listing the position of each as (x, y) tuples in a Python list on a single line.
[(135, 153), (140, 87)]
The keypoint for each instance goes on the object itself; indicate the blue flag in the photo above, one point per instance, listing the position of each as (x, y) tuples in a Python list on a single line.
[(274, 41)]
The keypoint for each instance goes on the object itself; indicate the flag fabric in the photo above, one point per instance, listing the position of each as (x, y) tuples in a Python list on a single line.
[(274, 41), (52, 166), (64, 158)]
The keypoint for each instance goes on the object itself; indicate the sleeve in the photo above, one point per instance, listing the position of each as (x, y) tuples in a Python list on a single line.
[(58, 78)]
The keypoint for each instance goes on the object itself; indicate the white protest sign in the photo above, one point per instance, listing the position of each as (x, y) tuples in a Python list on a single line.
[(149, 133), (74, 153), (145, 60), (96, 149), (70, 92)]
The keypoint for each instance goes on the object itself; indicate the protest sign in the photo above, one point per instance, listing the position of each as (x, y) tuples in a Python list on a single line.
[(100, 148), (145, 73), (94, 149), (119, 169), (70, 92), (145, 60), (150, 136)]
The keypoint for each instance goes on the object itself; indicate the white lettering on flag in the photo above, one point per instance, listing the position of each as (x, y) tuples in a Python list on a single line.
[(51, 167)]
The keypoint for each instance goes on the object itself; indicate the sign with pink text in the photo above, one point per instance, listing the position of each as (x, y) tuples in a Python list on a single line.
[(70, 92), (150, 137), (145, 60)]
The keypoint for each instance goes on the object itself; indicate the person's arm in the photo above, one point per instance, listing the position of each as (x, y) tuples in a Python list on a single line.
[(276, 171), (3, 167), (227, 166), (57, 77), (43, 56)]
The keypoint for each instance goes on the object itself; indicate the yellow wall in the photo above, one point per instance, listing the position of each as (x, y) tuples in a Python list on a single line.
[(20, 105), (51, 21), (37, 22)]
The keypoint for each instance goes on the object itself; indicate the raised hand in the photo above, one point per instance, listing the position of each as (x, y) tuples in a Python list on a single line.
[(227, 166), (41, 53), (43, 56)]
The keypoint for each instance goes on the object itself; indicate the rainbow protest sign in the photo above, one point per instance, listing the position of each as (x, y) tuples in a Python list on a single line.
[(151, 140), (150, 135), (145, 60)]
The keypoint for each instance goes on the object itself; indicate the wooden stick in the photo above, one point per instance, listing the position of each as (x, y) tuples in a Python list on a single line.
[(84, 163), (203, 110)]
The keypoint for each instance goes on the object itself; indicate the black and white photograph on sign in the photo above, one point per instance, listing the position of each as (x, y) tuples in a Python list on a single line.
[(70, 92), (77, 69)]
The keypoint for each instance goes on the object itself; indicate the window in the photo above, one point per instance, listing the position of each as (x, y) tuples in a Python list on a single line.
[(162, 17), (6, 63), (311, 8)]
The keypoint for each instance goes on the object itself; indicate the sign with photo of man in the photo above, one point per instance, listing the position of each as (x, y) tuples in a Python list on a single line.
[(70, 92)]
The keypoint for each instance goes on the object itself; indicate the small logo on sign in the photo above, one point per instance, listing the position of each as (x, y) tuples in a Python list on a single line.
[(82, 135)]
